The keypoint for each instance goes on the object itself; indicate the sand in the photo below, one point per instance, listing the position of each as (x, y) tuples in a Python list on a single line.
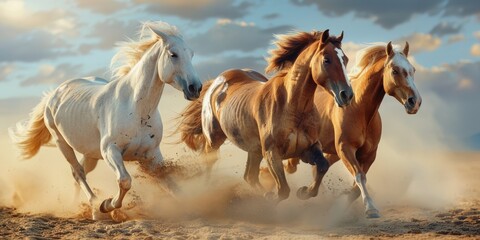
[(228, 209)]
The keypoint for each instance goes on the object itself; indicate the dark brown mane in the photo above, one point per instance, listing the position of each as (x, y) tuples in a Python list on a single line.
[(290, 46)]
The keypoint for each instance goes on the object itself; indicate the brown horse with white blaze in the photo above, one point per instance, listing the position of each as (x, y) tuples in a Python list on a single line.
[(353, 133), (273, 119)]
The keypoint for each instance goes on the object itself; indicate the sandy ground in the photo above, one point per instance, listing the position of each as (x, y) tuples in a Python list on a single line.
[(230, 210)]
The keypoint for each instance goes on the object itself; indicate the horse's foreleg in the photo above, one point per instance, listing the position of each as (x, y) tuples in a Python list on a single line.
[(275, 166), (347, 154), (113, 157), (252, 169), (314, 156)]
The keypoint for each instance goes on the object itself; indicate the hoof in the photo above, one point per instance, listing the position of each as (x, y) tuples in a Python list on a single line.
[(372, 213), (104, 207), (303, 193)]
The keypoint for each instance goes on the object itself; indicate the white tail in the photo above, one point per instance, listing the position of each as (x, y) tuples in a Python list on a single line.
[(30, 135)]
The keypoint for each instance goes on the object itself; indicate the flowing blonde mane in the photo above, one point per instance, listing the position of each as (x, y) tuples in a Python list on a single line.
[(368, 57), (130, 52)]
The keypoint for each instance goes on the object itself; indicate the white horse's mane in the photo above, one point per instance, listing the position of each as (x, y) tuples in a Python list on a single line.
[(131, 51)]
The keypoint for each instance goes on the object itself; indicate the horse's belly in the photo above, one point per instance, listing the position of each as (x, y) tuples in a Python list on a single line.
[(243, 134), (82, 136)]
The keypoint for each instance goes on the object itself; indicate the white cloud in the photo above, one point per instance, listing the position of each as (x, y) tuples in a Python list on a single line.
[(49, 74), (477, 34), (108, 33), (456, 38), (16, 15), (6, 70), (199, 9), (421, 42), (475, 49), (103, 6), (234, 35)]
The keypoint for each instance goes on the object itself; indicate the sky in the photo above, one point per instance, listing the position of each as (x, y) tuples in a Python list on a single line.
[(43, 43)]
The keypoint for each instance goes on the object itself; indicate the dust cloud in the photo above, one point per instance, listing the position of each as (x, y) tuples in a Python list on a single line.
[(413, 167)]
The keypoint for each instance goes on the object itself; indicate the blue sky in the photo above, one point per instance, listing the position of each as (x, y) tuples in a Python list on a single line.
[(43, 43)]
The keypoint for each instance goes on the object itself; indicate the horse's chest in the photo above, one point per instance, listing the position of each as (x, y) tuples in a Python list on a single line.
[(137, 140)]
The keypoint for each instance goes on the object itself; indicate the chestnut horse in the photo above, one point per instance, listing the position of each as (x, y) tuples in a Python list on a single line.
[(275, 119), (353, 133)]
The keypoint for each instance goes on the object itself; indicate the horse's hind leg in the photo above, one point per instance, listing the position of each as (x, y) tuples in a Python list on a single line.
[(88, 165), (209, 158), (113, 157), (252, 169), (210, 153), (77, 169)]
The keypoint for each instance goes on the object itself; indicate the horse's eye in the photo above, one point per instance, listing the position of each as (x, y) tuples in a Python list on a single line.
[(173, 55), (394, 72), (326, 60)]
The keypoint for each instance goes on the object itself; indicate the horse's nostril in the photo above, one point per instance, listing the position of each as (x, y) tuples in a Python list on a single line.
[(191, 88), (411, 101), (343, 95), (200, 88)]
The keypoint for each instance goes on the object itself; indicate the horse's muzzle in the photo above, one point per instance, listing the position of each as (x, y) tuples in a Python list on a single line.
[(344, 97), (192, 91), (412, 105)]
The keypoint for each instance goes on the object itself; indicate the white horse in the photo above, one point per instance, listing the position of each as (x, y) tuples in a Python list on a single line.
[(118, 120)]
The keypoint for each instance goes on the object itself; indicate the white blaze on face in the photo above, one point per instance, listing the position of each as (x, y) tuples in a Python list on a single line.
[(207, 111), (401, 61), (340, 55)]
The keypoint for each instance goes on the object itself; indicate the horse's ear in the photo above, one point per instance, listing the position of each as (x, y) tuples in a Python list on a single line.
[(389, 49), (340, 38), (325, 36), (405, 49), (160, 34)]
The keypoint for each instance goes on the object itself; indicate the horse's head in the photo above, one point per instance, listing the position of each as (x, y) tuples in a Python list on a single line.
[(398, 79), (328, 68), (175, 67)]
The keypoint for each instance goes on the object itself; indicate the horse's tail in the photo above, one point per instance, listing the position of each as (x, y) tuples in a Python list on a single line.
[(190, 126), (30, 135)]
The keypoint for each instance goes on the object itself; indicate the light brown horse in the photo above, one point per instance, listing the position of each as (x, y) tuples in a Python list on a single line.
[(273, 119), (353, 133)]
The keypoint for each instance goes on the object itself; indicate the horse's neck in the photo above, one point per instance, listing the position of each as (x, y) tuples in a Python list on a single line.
[(299, 87), (143, 84), (369, 91)]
